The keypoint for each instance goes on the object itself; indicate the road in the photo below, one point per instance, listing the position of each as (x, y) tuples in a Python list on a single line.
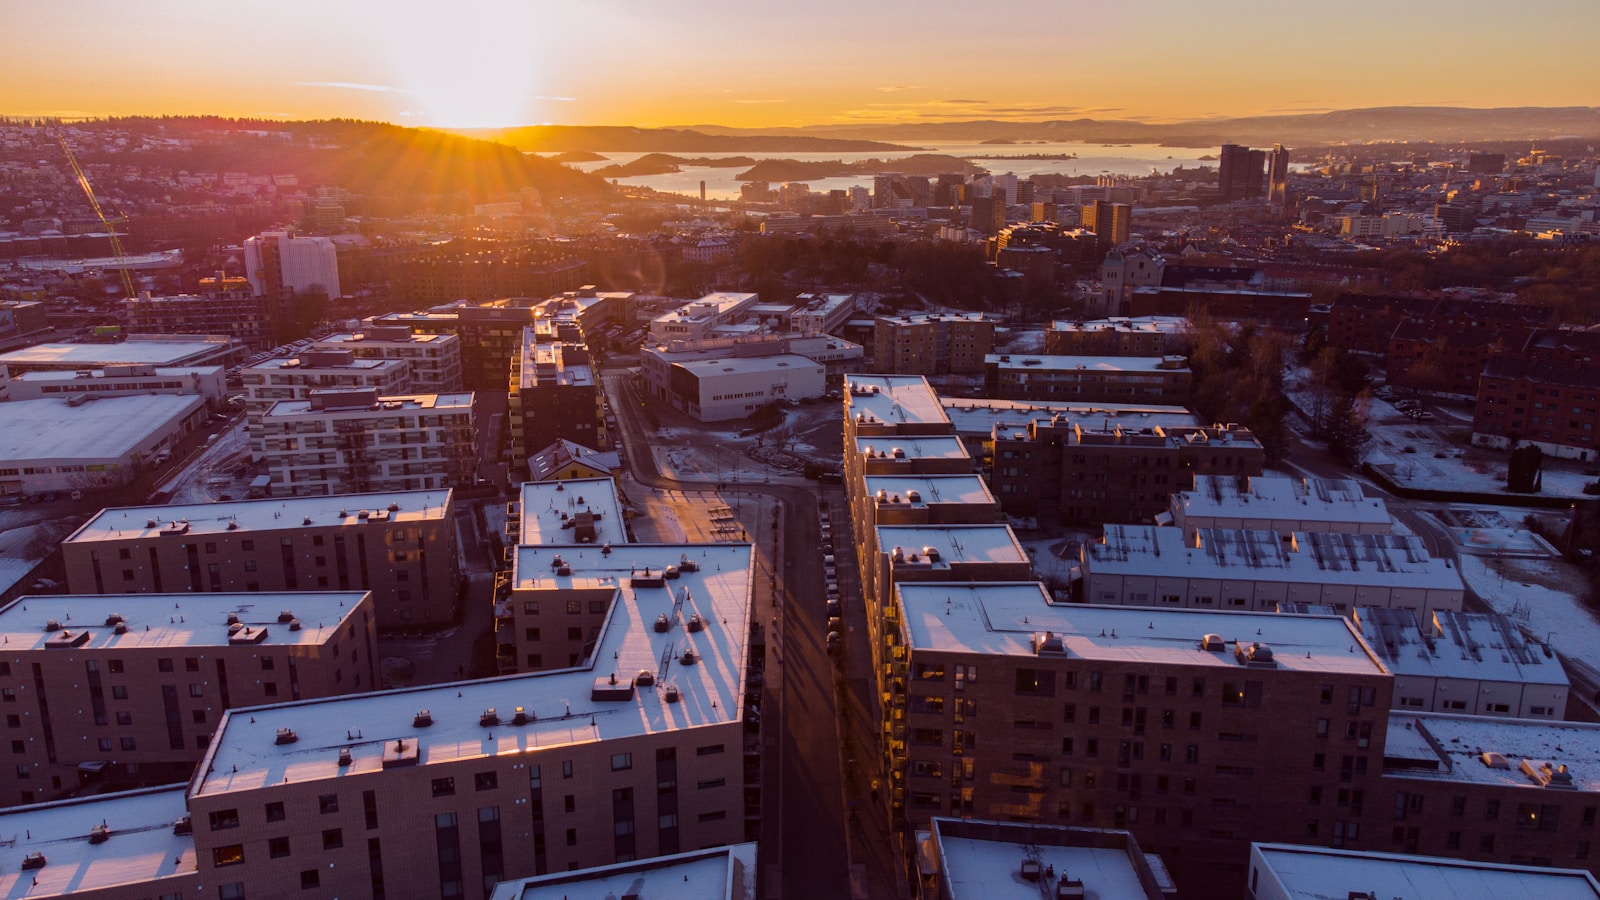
[(804, 846)]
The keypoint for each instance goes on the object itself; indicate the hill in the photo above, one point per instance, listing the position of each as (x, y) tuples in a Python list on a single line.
[(621, 139)]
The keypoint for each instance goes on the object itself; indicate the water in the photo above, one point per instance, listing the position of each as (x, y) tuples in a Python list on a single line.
[(1093, 159)]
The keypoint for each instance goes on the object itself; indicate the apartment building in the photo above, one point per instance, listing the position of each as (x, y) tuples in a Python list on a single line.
[(883, 405), (295, 377), (1292, 871), (924, 500), (553, 395), (1144, 565), (465, 785), (1119, 336), (927, 455), (1094, 469), (1089, 379), (1279, 504), (970, 859), (719, 873), (1171, 724), (489, 335), (572, 511), (932, 344), (1366, 323), (1476, 664), (400, 546), (434, 359), (565, 459), (238, 314), (702, 318), (1554, 405), (1448, 359), (353, 441), (125, 846), (98, 688)]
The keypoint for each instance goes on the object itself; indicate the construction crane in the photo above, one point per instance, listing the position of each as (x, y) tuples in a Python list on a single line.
[(111, 231)]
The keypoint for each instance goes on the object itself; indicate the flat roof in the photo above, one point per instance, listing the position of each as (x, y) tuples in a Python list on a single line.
[(345, 340), (1391, 560), (93, 356), (356, 364), (388, 404), (55, 375), (244, 755), (1003, 618), (717, 873), (124, 522), (1148, 324), (101, 428), (994, 543), (708, 307), (982, 417), (1317, 873), (1474, 646), (930, 489), (141, 848), (1444, 747), (748, 364), (893, 399), (1034, 362), (920, 446), (983, 860), (548, 505), (193, 619), (547, 364), (1280, 497)]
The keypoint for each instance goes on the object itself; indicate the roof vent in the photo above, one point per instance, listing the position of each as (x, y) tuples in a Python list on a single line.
[(344, 513), (363, 514), (696, 623), (662, 624), (932, 553), (233, 526), (122, 628), (1255, 654), (294, 624), (233, 619), (286, 736), (521, 716), (564, 571), (1548, 774), (114, 619), (1031, 870), (1495, 760), (670, 572), (99, 834), (899, 453), (345, 758), (285, 616), (687, 564), (52, 625), (183, 826), (394, 506), (688, 658), (609, 689), (150, 523), (1214, 643), (671, 694), (489, 717), (1048, 643), (913, 496), (399, 753), (234, 628), (645, 678), (34, 860), (247, 635)]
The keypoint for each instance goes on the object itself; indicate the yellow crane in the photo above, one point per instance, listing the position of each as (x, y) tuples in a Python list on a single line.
[(111, 231)]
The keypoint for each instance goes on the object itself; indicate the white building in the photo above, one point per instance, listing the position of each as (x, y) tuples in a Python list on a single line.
[(717, 873), (1295, 872), (209, 382), (350, 441), (434, 359), (971, 859), (696, 320), (87, 442), (160, 350), (822, 313), (277, 262), (714, 390), (1143, 565), (1475, 664), (296, 377), (1276, 503)]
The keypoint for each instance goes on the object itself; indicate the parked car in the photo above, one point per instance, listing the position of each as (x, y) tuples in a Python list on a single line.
[(835, 624), (835, 610), (834, 641)]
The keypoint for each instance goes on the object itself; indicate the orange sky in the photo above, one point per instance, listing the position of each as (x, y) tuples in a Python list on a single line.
[(753, 63)]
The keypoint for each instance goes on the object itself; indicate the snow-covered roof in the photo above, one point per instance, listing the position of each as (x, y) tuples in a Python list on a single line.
[(94, 356), (102, 428), (1151, 324), (549, 508), (913, 447), (952, 543), (562, 451), (930, 489), (349, 340), (1452, 748), (54, 376), (748, 365), (399, 403), (1479, 646), (303, 363), (983, 860), (892, 399), (1278, 497), (1317, 873), (559, 704), (193, 620), (1006, 618), (1033, 362), (236, 516), (140, 847), (1390, 560), (718, 873), (982, 417)]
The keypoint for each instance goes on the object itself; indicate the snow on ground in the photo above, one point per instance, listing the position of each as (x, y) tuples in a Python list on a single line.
[(1020, 342), (1541, 595)]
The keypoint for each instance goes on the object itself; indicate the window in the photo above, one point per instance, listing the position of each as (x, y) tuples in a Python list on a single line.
[(118, 692), (569, 803), (115, 667), (333, 839), (191, 664), (710, 783), (444, 787), (198, 716), (566, 768), (621, 761), (275, 811), (708, 750), (328, 803), (1036, 682), (1491, 810), (128, 744), (309, 878), (278, 847), (124, 718), (485, 781), (717, 816), (197, 690), (222, 819), (266, 664), (230, 855)]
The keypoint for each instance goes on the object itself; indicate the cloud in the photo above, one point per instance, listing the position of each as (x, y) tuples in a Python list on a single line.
[(762, 101), (896, 88), (352, 86), (1299, 109), (960, 102)]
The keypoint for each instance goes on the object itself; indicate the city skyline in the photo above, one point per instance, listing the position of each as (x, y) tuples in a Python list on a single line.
[(684, 63)]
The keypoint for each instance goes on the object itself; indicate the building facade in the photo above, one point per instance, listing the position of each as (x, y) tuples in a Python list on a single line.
[(942, 344), (554, 396), (434, 359), (1089, 379)]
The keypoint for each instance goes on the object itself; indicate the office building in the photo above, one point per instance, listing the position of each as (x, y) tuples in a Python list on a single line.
[(1145, 565), (932, 344), (1094, 469), (1278, 504), (1088, 379), (434, 359), (85, 442), (1278, 175), (554, 396), (969, 859), (701, 319), (1299, 872), (1241, 173), (353, 441), (102, 691), (717, 873), (400, 546), (1111, 222)]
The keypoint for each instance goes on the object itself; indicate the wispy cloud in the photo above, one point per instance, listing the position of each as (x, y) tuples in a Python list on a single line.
[(960, 102), (353, 86), (897, 88)]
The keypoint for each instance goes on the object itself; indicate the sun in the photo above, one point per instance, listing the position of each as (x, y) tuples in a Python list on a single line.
[(470, 68)]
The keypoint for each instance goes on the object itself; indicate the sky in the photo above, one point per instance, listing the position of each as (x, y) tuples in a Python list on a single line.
[(770, 63)]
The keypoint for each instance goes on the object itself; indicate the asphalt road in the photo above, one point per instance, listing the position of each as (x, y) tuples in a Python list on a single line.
[(804, 847)]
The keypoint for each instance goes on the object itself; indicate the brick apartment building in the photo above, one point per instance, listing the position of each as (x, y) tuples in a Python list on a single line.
[(1088, 379), (1554, 405), (1119, 336), (1366, 323), (1059, 468), (98, 689), (400, 546), (942, 344), (1448, 358)]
